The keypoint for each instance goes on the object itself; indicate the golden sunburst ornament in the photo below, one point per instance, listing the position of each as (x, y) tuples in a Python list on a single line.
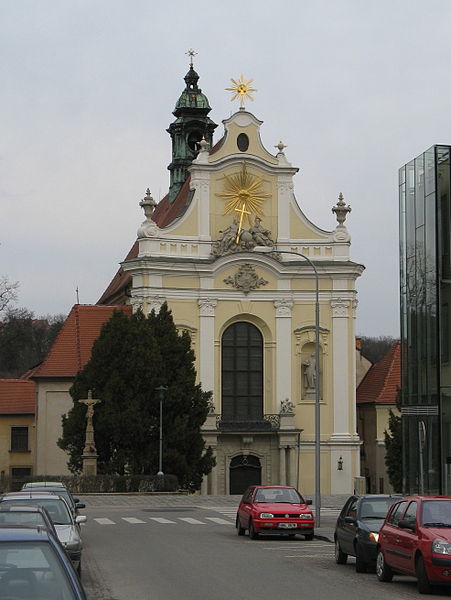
[(241, 89), (244, 195)]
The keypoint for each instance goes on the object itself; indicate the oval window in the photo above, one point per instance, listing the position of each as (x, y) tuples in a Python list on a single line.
[(242, 141)]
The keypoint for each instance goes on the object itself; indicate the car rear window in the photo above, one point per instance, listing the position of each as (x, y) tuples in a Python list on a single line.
[(57, 508), (32, 570), (375, 508)]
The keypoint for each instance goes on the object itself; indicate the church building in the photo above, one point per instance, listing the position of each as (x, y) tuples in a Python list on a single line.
[(244, 272)]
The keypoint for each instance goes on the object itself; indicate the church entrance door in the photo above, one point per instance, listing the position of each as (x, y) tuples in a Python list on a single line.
[(245, 470)]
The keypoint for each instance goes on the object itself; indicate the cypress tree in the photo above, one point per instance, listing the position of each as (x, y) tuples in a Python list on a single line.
[(131, 358)]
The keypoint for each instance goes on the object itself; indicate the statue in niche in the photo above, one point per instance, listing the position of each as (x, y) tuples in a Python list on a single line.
[(309, 367)]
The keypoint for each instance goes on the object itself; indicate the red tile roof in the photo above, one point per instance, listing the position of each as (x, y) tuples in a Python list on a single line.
[(72, 348), (17, 397), (381, 383)]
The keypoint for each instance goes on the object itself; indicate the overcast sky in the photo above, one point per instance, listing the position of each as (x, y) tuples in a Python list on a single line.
[(355, 89)]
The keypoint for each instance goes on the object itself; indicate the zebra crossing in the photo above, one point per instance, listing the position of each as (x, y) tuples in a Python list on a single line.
[(163, 521), (228, 517)]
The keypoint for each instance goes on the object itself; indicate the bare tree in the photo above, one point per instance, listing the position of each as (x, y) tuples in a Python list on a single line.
[(8, 292)]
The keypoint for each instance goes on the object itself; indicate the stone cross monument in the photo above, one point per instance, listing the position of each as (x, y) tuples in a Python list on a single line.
[(90, 455)]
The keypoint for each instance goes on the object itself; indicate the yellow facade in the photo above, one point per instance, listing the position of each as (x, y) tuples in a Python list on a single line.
[(10, 460), (204, 265)]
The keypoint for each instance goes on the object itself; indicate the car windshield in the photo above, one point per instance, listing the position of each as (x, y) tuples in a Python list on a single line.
[(288, 495), (60, 492), (436, 513), (375, 508), (16, 517), (56, 508), (32, 571)]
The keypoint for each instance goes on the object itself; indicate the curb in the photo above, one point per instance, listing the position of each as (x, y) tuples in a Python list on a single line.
[(323, 538)]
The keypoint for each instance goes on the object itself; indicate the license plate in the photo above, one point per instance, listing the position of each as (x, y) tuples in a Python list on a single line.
[(287, 525)]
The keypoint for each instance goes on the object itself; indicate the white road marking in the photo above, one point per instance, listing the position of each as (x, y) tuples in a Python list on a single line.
[(219, 521), (132, 520), (191, 521), (105, 521), (162, 520)]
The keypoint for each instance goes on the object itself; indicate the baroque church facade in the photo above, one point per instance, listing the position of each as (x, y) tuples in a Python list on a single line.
[(251, 314)]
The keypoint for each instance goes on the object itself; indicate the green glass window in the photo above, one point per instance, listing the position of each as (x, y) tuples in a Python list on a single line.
[(242, 373)]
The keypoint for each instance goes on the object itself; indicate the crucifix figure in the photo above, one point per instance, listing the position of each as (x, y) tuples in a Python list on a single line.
[(89, 451), (242, 212)]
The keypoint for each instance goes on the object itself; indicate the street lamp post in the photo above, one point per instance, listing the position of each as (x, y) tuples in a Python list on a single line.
[(268, 250), (161, 390)]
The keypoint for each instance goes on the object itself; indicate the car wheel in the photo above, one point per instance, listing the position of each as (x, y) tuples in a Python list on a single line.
[(308, 536), (252, 533), (79, 569), (240, 530), (340, 557), (424, 587), (383, 571), (360, 565), (291, 535)]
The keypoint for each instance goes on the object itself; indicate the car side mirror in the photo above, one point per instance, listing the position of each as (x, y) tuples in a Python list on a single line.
[(76, 500), (80, 505), (81, 519), (246, 501), (307, 502), (407, 524), (350, 520)]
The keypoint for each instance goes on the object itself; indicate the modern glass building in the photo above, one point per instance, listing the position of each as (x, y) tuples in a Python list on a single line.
[(425, 199)]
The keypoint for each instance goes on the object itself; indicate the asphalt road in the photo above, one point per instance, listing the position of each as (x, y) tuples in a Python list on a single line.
[(189, 550)]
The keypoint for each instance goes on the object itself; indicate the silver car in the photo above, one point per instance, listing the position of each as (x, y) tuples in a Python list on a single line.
[(65, 525)]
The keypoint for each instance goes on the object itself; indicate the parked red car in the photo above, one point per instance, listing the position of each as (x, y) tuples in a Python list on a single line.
[(274, 509), (415, 539)]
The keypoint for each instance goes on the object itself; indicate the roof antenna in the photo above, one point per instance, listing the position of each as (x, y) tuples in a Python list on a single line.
[(78, 298)]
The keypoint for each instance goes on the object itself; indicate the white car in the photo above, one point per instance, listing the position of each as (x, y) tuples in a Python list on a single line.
[(67, 528)]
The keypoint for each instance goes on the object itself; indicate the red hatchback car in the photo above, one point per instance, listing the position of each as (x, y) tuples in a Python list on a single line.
[(415, 539), (274, 509)]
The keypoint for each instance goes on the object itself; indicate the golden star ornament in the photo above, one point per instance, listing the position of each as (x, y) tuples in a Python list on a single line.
[(241, 89), (244, 193)]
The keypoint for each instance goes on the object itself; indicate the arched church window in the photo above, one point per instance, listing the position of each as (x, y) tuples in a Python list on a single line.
[(242, 141), (242, 373)]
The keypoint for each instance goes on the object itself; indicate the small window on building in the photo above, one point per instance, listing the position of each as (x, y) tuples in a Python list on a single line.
[(19, 472), (19, 439)]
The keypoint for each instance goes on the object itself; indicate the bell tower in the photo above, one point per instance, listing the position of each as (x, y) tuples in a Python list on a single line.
[(190, 126)]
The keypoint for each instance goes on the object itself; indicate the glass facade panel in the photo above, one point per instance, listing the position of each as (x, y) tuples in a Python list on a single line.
[(425, 268)]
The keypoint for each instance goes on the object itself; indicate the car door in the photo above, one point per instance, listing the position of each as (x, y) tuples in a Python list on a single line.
[(390, 535), (246, 507), (348, 526), (407, 539)]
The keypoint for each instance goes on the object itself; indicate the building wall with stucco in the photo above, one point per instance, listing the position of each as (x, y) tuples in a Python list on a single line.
[(210, 286)]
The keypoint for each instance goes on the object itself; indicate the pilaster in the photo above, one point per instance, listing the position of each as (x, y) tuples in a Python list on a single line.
[(283, 308)]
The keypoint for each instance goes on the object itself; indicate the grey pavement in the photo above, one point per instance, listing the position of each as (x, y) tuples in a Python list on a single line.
[(330, 505)]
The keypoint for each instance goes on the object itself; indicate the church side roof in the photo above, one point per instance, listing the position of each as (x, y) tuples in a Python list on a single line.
[(166, 212), (72, 347), (380, 384), (17, 396), (120, 281)]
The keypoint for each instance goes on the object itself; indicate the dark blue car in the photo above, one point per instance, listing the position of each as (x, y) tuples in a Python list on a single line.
[(33, 566), (357, 528)]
